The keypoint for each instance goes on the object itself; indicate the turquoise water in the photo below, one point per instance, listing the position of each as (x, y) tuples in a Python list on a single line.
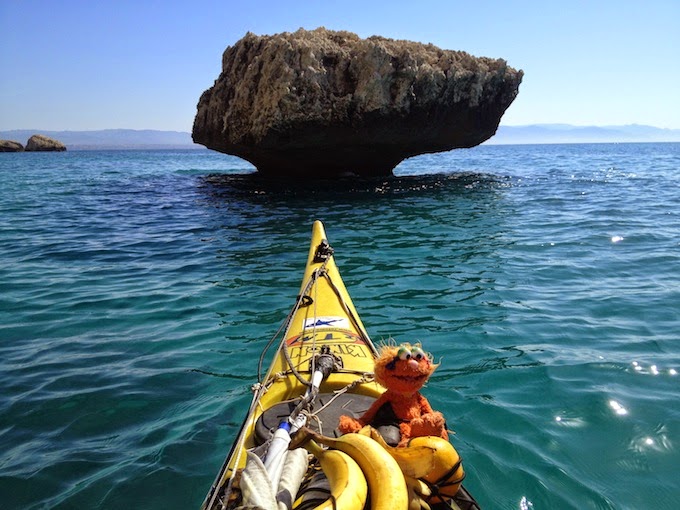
[(138, 288)]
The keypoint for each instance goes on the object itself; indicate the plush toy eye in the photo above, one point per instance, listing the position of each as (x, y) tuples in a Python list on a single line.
[(418, 353), (403, 353)]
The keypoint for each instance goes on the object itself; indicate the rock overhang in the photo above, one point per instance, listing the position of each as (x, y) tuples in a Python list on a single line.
[(322, 103)]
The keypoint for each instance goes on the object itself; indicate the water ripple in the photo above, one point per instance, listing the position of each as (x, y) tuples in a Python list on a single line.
[(137, 290)]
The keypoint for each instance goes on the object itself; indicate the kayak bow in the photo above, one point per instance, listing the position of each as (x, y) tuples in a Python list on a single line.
[(322, 368)]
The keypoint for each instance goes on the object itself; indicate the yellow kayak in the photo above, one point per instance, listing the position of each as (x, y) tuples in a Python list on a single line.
[(322, 368)]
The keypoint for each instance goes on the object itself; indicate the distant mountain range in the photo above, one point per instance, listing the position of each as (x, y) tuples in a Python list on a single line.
[(534, 134), (566, 133), (110, 138)]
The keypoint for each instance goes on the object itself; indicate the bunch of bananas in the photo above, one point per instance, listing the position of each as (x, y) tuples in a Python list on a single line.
[(426, 471)]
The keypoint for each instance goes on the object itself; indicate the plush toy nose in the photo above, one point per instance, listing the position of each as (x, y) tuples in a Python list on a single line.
[(412, 363)]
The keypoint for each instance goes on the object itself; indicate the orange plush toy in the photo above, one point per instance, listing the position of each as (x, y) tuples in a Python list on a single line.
[(403, 371)]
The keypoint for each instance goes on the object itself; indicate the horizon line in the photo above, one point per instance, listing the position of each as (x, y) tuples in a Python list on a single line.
[(536, 124)]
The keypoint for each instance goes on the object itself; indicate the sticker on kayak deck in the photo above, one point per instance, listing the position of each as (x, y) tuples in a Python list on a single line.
[(353, 350), (327, 322), (326, 336)]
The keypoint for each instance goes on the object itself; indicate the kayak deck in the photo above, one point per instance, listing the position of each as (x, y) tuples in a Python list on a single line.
[(322, 333)]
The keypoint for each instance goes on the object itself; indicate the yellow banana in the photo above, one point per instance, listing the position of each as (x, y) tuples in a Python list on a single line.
[(386, 484), (349, 490), (418, 492), (414, 461), (447, 473), (365, 430)]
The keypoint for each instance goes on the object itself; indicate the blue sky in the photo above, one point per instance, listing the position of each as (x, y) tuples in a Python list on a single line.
[(81, 65)]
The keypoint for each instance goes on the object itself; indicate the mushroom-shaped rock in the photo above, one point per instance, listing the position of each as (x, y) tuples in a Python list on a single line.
[(42, 143), (322, 103), (10, 146)]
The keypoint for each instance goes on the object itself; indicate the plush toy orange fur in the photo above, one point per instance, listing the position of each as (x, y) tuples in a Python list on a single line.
[(403, 371)]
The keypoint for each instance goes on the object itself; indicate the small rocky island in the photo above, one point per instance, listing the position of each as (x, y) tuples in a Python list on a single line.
[(323, 103), (42, 143), (10, 146), (36, 143)]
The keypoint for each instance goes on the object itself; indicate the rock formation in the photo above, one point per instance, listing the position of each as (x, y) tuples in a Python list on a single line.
[(44, 143), (325, 103), (10, 146)]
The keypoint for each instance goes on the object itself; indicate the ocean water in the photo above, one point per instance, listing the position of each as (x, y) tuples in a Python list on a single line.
[(138, 288)]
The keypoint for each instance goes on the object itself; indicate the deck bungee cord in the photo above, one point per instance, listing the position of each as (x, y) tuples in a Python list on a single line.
[(323, 254)]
